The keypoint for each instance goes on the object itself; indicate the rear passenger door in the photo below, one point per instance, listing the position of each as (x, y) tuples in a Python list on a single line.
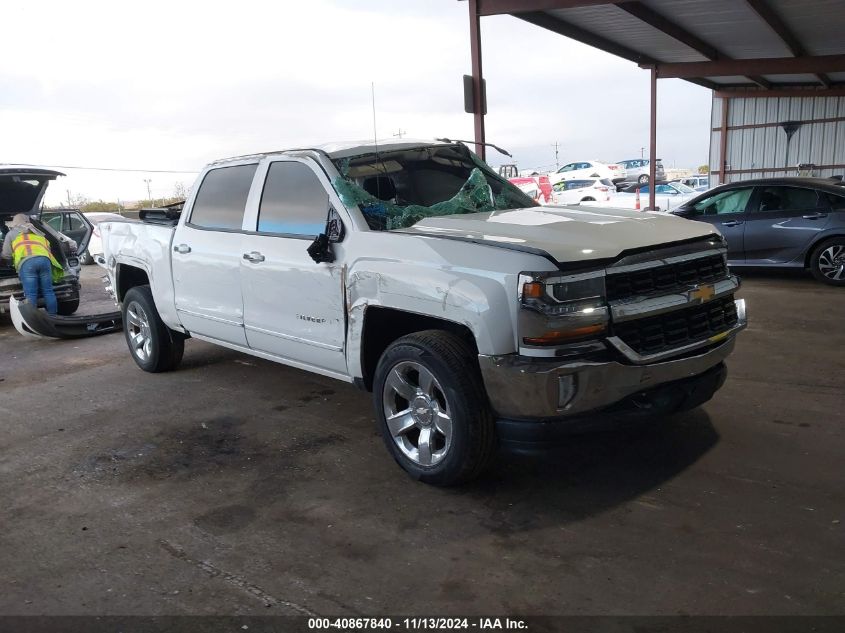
[(781, 223), (293, 307), (207, 250)]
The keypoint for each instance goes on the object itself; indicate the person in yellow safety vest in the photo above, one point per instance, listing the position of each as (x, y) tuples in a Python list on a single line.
[(30, 253)]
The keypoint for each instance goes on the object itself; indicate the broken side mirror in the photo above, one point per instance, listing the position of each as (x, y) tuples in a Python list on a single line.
[(320, 249)]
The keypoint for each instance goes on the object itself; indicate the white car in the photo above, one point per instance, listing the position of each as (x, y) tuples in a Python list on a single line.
[(586, 169), (578, 191), (698, 182), (669, 195), (638, 170), (413, 270), (95, 244)]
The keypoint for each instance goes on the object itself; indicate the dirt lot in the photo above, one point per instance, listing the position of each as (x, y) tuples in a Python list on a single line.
[(238, 486)]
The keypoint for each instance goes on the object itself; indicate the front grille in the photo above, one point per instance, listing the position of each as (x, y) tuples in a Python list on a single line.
[(665, 278), (652, 335)]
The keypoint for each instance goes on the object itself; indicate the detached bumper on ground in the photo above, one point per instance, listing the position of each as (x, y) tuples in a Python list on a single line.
[(536, 398)]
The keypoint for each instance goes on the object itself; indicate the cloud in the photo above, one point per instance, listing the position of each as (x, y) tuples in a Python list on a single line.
[(173, 85)]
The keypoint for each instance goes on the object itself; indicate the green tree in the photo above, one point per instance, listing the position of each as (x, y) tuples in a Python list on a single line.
[(99, 206), (704, 169)]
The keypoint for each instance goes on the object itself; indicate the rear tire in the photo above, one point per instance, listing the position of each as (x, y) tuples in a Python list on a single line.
[(153, 345), (432, 408), (827, 262)]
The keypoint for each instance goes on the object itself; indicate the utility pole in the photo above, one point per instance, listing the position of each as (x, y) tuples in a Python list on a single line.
[(68, 197), (642, 152), (557, 160), (149, 195), (401, 133)]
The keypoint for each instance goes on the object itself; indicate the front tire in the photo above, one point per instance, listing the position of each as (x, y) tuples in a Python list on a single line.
[(643, 179), (432, 408), (828, 262), (154, 346)]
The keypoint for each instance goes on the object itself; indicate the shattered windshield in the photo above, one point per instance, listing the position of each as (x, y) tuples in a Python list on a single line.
[(396, 189)]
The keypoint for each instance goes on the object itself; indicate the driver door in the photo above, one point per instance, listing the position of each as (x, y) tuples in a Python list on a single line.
[(293, 307), (726, 211)]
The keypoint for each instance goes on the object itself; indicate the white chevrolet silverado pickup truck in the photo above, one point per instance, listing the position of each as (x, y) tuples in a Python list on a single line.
[(413, 270)]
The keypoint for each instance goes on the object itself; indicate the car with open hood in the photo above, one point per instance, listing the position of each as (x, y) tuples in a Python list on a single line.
[(22, 189)]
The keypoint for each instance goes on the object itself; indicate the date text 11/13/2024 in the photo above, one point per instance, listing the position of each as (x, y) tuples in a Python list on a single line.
[(417, 623)]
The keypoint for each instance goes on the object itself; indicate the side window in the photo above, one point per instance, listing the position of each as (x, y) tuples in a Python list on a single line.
[(221, 198), (836, 202), (568, 167), (584, 165), (733, 201), (76, 223), (786, 199), (294, 201), (664, 189), (53, 219), (577, 184)]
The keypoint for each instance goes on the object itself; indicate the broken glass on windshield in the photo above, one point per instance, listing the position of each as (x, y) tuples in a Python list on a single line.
[(396, 189)]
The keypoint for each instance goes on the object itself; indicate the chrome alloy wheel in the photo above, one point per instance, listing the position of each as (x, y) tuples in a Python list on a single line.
[(417, 413), (832, 262), (138, 326)]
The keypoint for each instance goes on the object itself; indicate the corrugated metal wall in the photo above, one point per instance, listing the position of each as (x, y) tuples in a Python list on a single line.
[(765, 147)]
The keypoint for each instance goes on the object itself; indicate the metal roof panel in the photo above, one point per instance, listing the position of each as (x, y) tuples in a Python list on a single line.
[(611, 22)]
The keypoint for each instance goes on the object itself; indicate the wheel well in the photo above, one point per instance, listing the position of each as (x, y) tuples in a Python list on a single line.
[(816, 244), (382, 326), (129, 277)]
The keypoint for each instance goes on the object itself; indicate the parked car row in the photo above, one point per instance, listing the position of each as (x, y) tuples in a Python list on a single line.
[(633, 170)]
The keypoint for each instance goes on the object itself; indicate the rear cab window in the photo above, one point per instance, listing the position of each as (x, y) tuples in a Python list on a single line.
[(221, 198)]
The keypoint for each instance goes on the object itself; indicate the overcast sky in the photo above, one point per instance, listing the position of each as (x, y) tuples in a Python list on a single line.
[(172, 85)]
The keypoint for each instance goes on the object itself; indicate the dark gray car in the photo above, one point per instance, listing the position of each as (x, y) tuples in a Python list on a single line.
[(779, 222)]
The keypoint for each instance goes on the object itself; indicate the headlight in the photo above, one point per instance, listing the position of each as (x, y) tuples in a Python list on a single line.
[(559, 309)]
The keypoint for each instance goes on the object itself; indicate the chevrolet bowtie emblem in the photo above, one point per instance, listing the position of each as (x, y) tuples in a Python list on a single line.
[(703, 293)]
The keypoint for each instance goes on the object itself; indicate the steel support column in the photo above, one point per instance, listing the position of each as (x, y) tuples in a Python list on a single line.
[(652, 142), (477, 94), (723, 143)]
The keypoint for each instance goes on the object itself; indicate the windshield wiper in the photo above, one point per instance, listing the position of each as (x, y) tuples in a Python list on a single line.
[(457, 140)]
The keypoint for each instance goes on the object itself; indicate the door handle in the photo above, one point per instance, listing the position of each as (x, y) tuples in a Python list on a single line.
[(732, 223), (814, 216), (182, 248), (254, 257)]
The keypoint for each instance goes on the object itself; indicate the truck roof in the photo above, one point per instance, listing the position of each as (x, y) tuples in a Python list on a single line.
[(343, 149)]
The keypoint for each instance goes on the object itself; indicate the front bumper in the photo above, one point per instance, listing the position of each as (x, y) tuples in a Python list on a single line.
[(531, 388)]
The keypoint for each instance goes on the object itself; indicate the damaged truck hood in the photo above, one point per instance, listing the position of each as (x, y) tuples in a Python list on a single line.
[(566, 233)]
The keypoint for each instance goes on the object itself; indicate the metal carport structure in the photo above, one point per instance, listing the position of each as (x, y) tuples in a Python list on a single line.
[(736, 48)]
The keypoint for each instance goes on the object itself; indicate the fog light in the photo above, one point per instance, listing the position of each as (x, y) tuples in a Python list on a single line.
[(566, 390)]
